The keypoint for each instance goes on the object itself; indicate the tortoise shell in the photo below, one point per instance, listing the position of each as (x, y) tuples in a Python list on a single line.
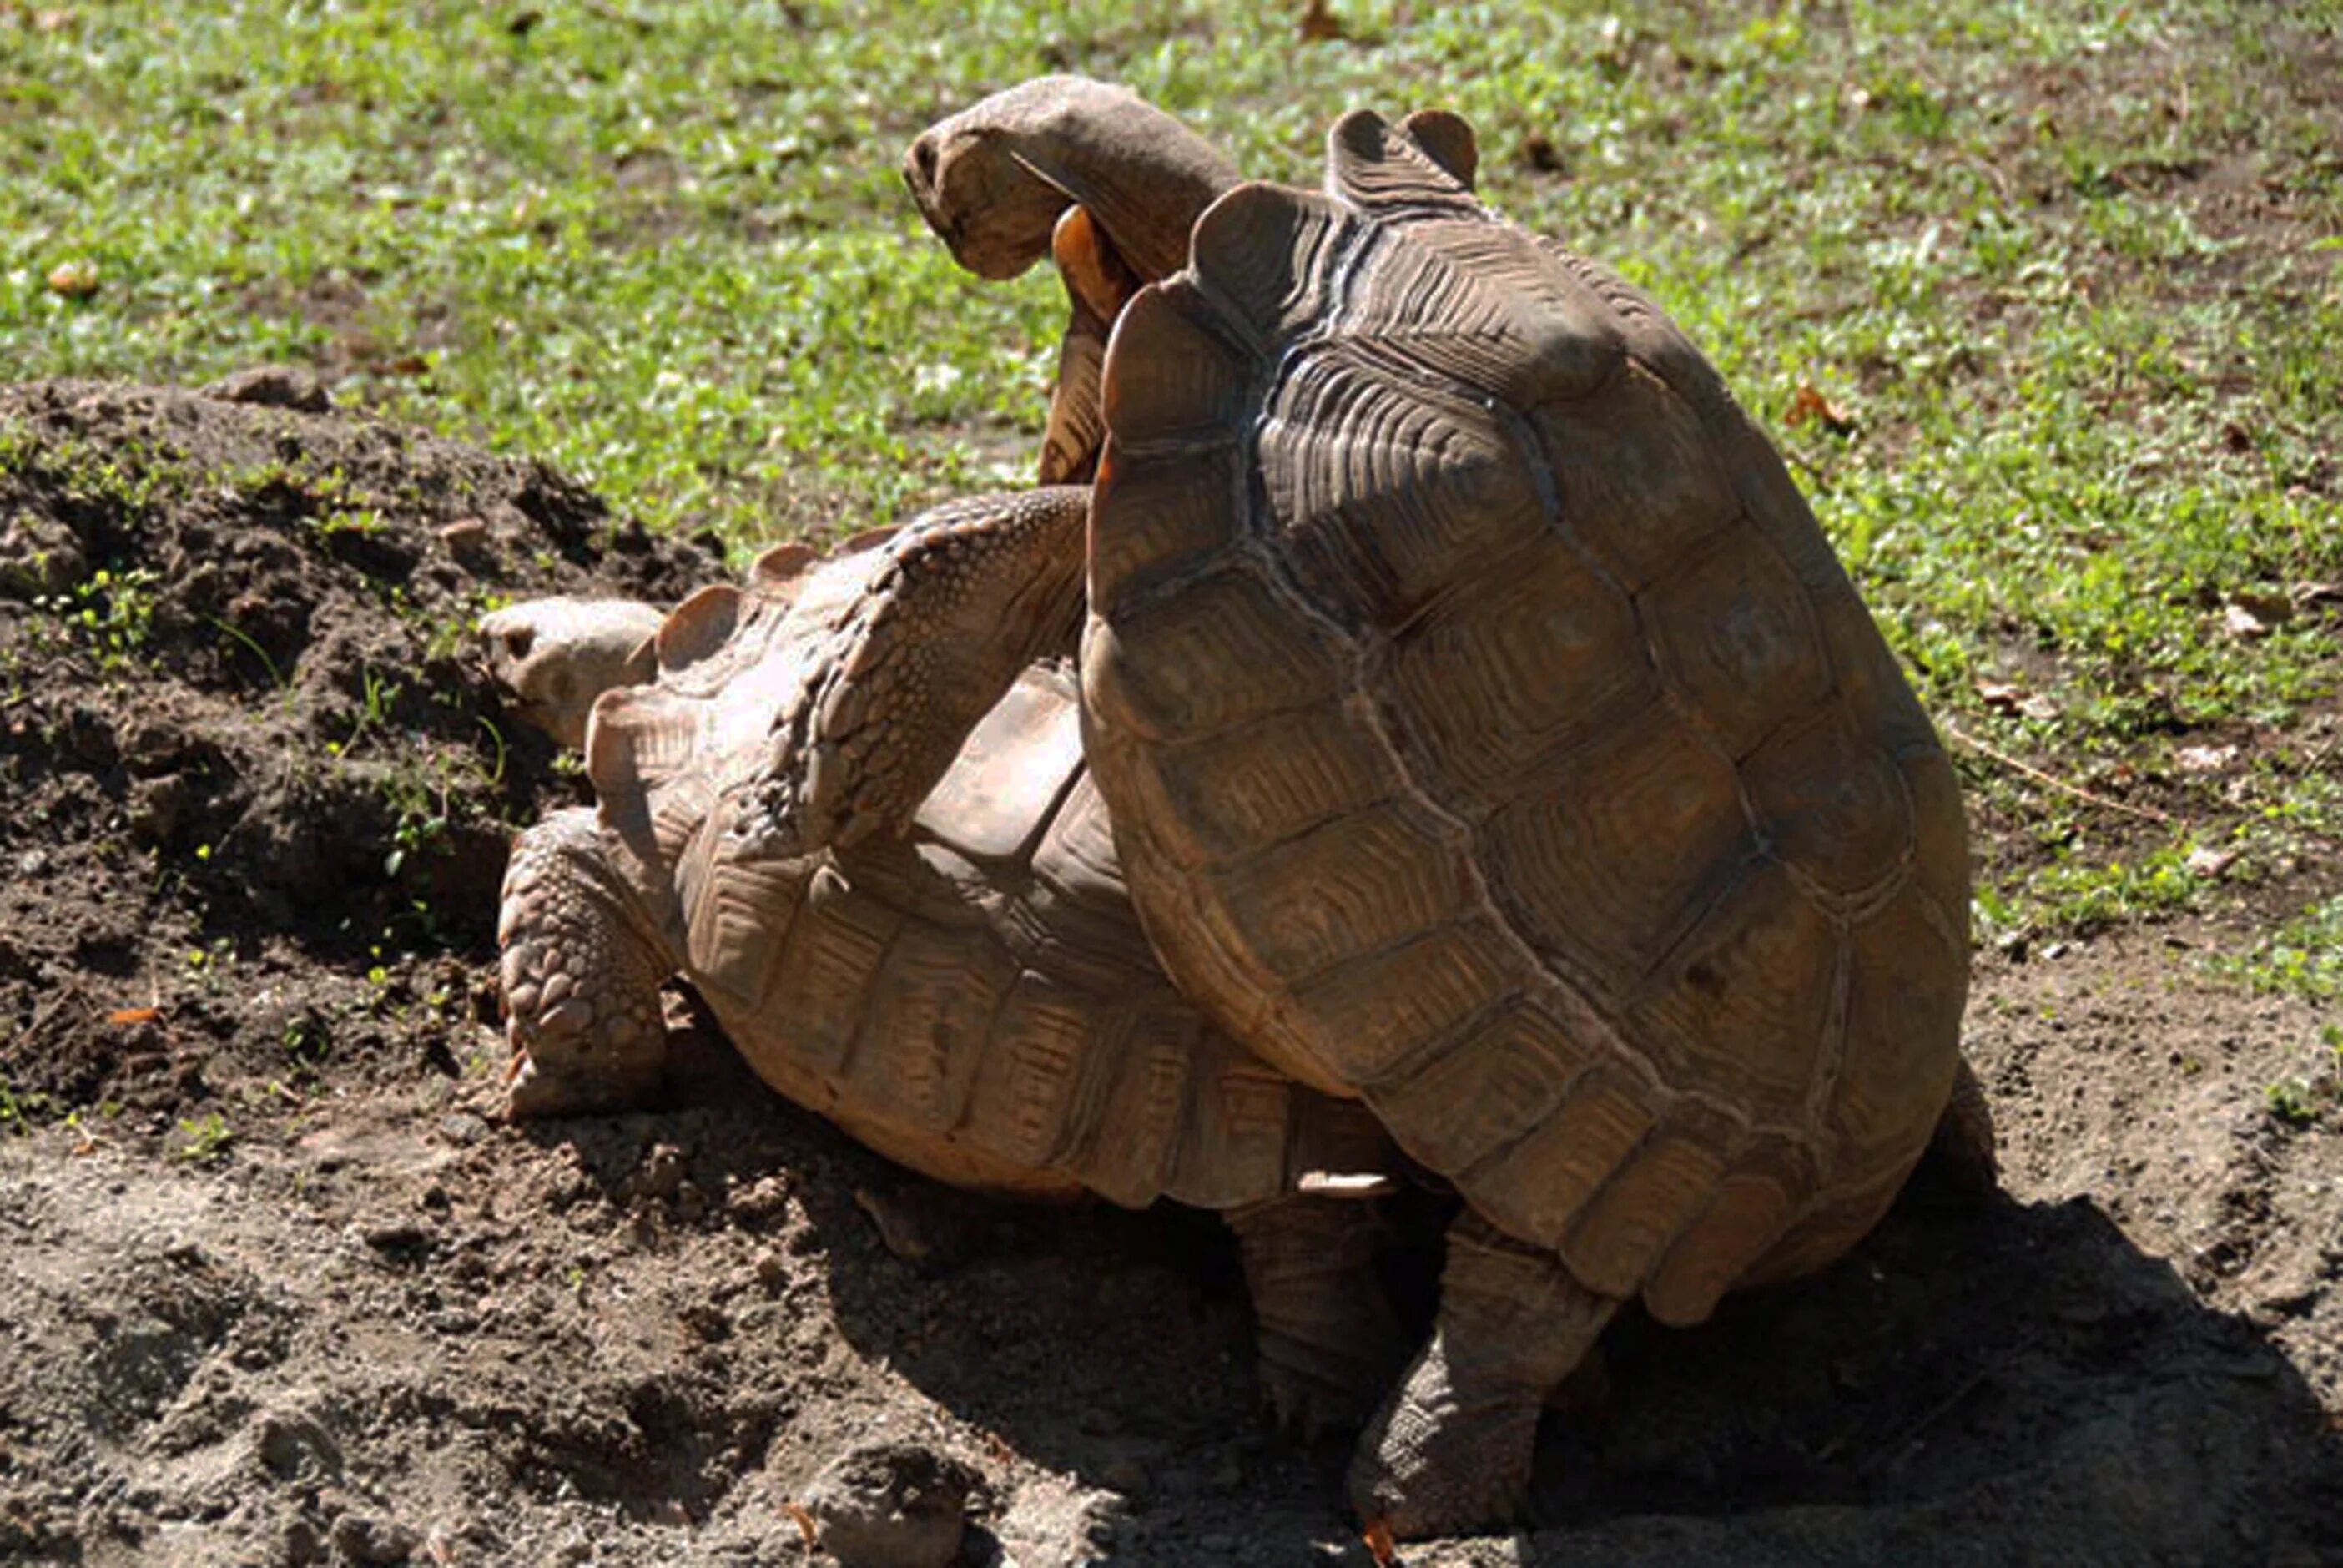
[(972, 998), (1491, 733)]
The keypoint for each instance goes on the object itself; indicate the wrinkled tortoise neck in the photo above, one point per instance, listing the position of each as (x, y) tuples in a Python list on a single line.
[(1145, 176)]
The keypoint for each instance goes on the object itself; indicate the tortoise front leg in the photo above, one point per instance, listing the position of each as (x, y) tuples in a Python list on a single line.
[(1329, 1342), (581, 980), (1450, 1451), (1098, 285), (954, 609)]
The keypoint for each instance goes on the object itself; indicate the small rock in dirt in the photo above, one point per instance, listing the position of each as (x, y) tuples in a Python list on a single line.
[(39, 556), (892, 1505), (463, 1129), (273, 386), (772, 1271), (467, 540), (303, 1544), (661, 1175), (374, 1541), (291, 1444), (155, 807), (395, 1237)]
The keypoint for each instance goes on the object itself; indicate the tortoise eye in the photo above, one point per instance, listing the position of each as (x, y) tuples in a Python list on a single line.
[(519, 643), (923, 158)]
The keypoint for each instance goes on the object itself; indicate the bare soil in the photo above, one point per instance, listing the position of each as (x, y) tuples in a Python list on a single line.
[(277, 1286)]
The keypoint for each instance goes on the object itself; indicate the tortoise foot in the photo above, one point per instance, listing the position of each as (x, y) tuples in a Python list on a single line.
[(1444, 1459), (582, 987), (1451, 1452)]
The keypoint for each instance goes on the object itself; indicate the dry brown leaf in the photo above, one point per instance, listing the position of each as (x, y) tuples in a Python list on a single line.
[(2210, 862), (802, 1519), (2007, 697), (1809, 406), (2240, 622), (125, 1016), (75, 279), (1319, 25)]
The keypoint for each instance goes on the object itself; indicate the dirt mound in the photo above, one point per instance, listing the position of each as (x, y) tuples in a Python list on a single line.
[(260, 789), (278, 1289)]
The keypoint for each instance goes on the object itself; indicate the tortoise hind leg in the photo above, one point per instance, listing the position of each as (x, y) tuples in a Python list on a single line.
[(580, 981), (1330, 1344), (1963, 1152), (1450, 1452)]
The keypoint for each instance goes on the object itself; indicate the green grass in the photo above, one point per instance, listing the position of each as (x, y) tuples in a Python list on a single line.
[(2074, 273)]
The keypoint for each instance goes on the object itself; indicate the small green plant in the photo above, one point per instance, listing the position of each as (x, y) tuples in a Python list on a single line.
[(306, 1038), (2304, 957), (206, 1139), (112, 611), (2292, 1102), (18, 1110)]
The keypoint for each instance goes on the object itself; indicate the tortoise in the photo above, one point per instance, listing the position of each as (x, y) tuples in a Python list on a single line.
[(1490, 733), (971, 996)]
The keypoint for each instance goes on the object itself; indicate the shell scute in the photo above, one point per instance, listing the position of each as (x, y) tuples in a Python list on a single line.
[(1534, 657), (1225, 651), (1909, 976), (1606, 860), (1737, 635), (1744, 1006), (1380, 1006), (1536, 1187), (930, 1017), (1350, 888), (1230, 795), (1638, 479), (1750, 1209), (1476, 303), (1161, 515), (1484, 1089), (1265, 256), (1144, 1115), (1381, 487), (1170, 376), (1832, 803), (1644, 1205), (1039, 1089), (1386, 170)]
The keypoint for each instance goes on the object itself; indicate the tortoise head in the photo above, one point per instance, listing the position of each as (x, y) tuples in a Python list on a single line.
[(992, 179), (551, 657)]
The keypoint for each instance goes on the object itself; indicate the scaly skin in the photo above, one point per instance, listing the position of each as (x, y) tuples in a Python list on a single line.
[(1451, 1449), (1329, 1345), (580, 978)]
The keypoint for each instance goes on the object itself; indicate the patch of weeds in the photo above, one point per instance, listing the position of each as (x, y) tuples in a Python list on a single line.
[(2300, 1101), (206, 1139), (2302, 957), (2079, 894), (309, 1039), (20, 1109), (112, 610), (208, 967)]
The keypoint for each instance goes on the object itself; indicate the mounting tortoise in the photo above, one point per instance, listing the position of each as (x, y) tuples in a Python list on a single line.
[(1489, 730), (972, 995)]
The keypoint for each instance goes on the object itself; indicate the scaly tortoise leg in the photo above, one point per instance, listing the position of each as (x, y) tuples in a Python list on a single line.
[(1329, 1342), (1451, 1451), (581, 980)]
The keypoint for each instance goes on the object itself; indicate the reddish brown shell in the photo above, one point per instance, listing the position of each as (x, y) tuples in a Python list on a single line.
[(1491, 733)]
